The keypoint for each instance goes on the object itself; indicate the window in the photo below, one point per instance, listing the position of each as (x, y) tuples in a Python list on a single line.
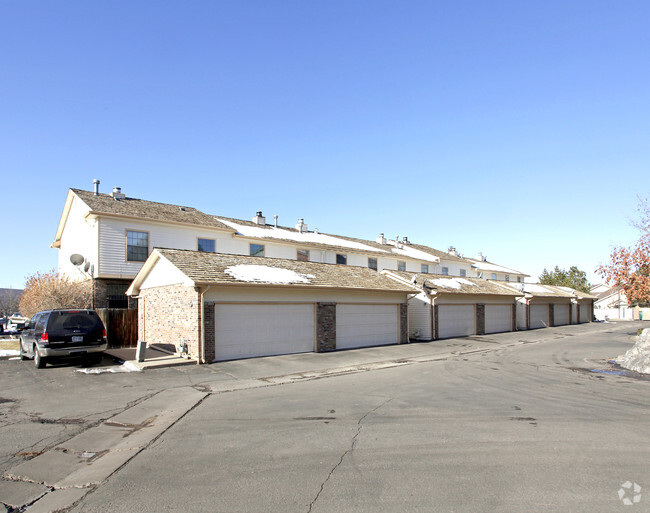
[(341, 259), (425, 269), (480, 274), (401, 266), (207, 245), (463, 272), (137, 246), (303, 255), (257, 250), (494, 276), (507, 277), (116, 296), (518, 279), (372, 263), (445, 271)]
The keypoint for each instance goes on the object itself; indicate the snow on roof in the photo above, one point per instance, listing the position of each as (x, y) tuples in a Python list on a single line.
[(306, 237), (415, 253), (451, 283), (266, 274), (533, 287), (488, 266)]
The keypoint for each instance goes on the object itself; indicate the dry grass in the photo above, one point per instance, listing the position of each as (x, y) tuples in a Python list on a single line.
[(9, 343)]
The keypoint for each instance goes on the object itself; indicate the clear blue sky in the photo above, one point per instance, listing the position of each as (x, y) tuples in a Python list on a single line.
[(520, 129)]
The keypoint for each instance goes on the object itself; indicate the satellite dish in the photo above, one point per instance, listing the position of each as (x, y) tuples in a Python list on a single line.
[(86, 266), (77, 259)]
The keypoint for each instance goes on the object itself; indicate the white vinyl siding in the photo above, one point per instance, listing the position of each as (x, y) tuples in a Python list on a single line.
[(455, 321), (585, 312), (538, 316), (419, 317), (366, 325), (249, 330), (498, 318), (78, 237)]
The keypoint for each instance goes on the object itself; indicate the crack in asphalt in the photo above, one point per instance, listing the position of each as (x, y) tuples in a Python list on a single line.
[(348, 451)]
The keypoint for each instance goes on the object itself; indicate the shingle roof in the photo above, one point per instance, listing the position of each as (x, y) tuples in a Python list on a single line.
[(210, 269), (443, 284), (132, 207), (539, 290)]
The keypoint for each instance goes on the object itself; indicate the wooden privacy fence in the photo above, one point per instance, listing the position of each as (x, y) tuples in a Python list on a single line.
[(121, 326)]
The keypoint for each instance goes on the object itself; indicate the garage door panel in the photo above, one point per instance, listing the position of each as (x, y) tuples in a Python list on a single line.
[(538, 316), (561, 315), (498, 318), (366, 325), (245, 331), (585, 313), (455, 321)]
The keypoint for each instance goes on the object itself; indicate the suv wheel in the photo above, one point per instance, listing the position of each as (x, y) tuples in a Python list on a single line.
[(39, 361), (23, 353)]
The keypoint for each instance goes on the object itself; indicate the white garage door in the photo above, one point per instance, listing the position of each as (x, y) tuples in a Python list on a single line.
[(366, 325), (244, 331), (585, 312), (560, 315), (498, 318), (538, 316), (455, 321)]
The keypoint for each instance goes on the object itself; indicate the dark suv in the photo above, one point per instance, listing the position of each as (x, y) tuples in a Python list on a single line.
[(63, 333)]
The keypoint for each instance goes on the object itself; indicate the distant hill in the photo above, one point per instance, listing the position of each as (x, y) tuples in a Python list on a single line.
[(9, 301)]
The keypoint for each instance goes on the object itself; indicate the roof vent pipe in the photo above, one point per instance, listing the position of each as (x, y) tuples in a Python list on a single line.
[(96, 184), (275, 220), (381, 239)]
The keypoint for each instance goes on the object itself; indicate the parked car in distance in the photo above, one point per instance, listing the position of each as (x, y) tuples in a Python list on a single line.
[(64, 333)]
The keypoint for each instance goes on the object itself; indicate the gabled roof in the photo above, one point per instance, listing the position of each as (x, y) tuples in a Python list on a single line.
[(577, 293), (221, 269), (443, 284), (151, 210)]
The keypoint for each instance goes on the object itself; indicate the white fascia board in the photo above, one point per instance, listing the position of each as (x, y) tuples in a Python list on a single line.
[(64, 218)]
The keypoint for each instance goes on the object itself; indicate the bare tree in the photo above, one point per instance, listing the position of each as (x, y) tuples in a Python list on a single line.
[(9, 301), (46, 291)]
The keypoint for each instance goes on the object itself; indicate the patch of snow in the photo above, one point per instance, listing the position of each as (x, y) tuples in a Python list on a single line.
[(125, 367), (416, 254), (9, 352), (487, 266), (266, 274), (532, 287), (446, 283), (281, 233), (465, 282), (638, 358)]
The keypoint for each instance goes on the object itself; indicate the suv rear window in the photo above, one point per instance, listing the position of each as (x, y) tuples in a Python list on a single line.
[(66, 321)]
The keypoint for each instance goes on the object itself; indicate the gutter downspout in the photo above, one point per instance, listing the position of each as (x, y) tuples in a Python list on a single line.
[(201, 358)]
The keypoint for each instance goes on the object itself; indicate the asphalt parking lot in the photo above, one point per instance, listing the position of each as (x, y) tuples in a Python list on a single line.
[(525, 421)]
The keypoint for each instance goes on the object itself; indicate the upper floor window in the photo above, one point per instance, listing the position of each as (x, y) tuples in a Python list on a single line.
[(445, 271), (463, 272), (518, 279), (494, 276), (401, 266), (207, 245), (302, 255), (425, 269), (257, 250), (507, 277), (137, 246), (372, 263), (341, 259)]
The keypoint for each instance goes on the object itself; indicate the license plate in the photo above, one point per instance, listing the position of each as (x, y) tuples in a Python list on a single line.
[(77, 339)]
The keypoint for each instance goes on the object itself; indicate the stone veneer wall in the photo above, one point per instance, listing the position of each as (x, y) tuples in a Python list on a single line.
[(551, 314), (513, 321), (209, 327), (403, 323), (325, 327), (170, 315), (480, 319)]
